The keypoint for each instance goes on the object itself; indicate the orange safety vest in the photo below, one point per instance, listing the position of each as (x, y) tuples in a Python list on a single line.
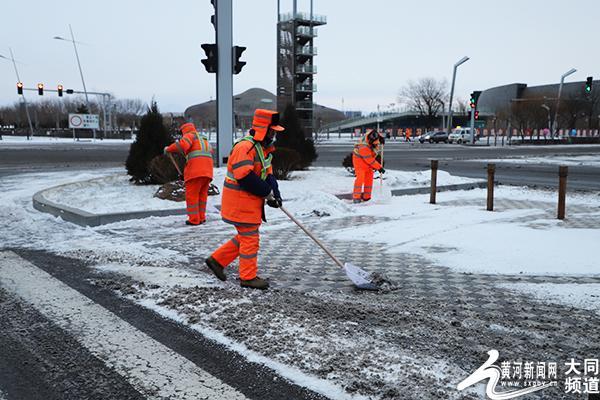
[(239, 207), (363, 156), (198, 154)]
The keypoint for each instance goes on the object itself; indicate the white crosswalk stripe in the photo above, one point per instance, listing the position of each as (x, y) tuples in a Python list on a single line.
[(153, 369)]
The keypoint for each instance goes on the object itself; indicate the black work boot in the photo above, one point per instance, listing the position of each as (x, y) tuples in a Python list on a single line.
[(216, 268), (256, 283)]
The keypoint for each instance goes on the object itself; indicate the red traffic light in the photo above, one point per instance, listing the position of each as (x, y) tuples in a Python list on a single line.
[(19, 87), (40, 89), (60, 90)]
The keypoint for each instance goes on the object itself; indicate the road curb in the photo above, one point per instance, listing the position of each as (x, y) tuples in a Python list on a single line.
[(427, 189), (84, 218)]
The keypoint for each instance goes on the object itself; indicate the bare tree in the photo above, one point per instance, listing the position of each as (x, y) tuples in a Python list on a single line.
[(425, 96)]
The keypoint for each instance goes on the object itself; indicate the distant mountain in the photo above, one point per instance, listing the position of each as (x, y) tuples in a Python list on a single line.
[(204, 115)]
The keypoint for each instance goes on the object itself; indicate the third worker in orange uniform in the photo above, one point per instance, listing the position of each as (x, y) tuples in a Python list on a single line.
[(198, 172), (248, 183), (364, 160)]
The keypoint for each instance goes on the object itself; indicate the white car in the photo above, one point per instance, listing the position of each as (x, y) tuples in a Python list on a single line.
[(461, 135)]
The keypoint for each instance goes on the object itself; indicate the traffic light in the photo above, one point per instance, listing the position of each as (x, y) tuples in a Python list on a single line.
[(588, 85), (474, 98), (41, 89), (19, 87), (237, 64), (476, 114), (210, 62), (60, 90), (70, 91)]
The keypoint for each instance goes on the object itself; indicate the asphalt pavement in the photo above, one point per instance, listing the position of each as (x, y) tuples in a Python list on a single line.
[(472, 162), (468, 161)]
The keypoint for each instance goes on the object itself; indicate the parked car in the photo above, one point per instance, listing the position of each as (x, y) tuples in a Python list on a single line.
[(461, 135), (434, 137)]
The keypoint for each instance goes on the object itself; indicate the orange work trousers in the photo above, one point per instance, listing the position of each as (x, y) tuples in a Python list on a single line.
[(244, 245), (363, 184), (196, 193)]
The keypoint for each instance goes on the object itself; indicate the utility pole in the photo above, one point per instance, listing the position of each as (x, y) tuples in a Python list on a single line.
[(12, 58)]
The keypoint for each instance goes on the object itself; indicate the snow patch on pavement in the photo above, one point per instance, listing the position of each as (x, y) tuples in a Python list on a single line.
[(579, 295), (583, 160)]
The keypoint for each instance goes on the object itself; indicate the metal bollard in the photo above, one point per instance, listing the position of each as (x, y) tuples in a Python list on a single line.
[(491, 169), (434, 168), (562, 190)]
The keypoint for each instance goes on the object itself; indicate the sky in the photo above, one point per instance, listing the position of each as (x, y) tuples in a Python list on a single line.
[(367, 51)]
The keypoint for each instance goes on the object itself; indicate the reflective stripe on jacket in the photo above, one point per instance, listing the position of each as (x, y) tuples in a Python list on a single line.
[(198, 153), (363, 156), (237, 205)]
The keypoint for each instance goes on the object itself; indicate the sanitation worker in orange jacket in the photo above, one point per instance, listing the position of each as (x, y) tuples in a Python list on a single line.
[(248, 183), (198, 171), (365, 162)]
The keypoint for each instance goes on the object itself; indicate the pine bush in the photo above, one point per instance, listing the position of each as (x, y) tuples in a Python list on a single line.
[(151, 139)]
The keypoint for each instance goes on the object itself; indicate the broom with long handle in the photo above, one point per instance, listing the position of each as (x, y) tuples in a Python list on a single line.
[(175, 164)]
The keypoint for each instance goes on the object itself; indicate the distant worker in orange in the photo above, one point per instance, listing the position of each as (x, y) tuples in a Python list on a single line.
[(198, 172), (408, 134), (248, 183), (365, 162)]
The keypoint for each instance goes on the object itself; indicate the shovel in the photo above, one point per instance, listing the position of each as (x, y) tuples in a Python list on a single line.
[(175, 164), (361, 278)]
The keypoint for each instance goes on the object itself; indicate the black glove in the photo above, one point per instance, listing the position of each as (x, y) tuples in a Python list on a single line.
[(275, 203), (381, 170)]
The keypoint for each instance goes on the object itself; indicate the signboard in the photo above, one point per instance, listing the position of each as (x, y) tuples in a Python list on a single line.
[(84, 121)]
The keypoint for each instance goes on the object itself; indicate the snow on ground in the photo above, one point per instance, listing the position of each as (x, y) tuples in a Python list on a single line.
[(584, 160), (468, 238), (379, 346), (308, 191), (23, 226), (579, 295)]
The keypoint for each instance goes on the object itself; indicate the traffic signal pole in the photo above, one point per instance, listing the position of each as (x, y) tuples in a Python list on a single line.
[(12, 57), (472, 125), (224, 30)]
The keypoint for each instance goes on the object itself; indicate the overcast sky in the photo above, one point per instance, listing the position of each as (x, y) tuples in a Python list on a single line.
[(367, 51)]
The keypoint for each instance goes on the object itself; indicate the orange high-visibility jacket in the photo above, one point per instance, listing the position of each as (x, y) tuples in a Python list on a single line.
[(363, 156), (237, 205), (198, 154)]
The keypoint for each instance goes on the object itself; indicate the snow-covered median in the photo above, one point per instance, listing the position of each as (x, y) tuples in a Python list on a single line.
[(314, 189)]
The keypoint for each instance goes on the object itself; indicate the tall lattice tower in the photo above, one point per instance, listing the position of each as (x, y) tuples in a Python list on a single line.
[(296, 69)]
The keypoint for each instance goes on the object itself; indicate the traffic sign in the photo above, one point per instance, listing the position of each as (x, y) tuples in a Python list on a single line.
[(84, 121)]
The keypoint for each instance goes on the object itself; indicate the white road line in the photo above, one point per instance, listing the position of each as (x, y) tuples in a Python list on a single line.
[(151, 368)]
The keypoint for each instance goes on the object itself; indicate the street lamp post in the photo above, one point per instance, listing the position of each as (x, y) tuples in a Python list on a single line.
[(12, 58), (443, 116), (461, 61), (545, 107), (562, 80), (87, 101)]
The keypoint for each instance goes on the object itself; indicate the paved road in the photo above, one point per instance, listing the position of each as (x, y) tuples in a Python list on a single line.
[(25, 157), (64, 337), (471, 162), (459, 160)]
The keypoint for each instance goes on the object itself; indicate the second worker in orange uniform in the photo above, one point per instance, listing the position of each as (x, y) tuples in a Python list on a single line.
[(248, 183), (198, 172), (364, 160)]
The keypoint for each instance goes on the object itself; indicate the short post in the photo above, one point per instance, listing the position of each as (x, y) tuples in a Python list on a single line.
[(434, 168), (491, 169), (562, 190)]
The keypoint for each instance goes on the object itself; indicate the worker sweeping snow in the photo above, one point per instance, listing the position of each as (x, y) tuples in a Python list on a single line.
[(364, 159), (248, 183), (198, 171)]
